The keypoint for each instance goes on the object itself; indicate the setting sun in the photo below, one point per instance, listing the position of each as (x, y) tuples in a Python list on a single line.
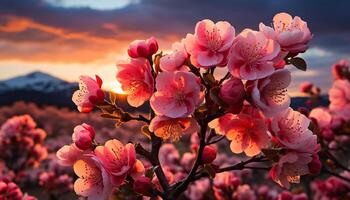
[(116, 87)]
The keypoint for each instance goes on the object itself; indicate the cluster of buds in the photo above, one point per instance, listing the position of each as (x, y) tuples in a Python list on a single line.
[(10, 190)]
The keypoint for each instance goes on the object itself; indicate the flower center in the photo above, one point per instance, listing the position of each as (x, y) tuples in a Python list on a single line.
[(214, 39)]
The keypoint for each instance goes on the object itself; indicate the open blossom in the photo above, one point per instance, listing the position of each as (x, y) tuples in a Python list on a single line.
[(247, 134), (292, 34), (252, 55), (93, 181), (89, 93), (69, 154), (291, 130), (290, 167), (83, 136), (119, 160), (232, 93), (143, 48), (136, 80), (173, 128), (176, 60), (210, 44), (339, 96), (270, 94), (177, 95)]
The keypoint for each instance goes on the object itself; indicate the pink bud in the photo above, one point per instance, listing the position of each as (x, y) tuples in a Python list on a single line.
[(143, 48), (143, 185), (232, 93), (328, 134), (83, 136), (306, 87), (209, 154), (285, 195), (315, 165)]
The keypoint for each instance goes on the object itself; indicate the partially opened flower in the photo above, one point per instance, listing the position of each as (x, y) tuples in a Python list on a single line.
[(339, 96), (340, 69), (83, 136), (232, 93), (143, 48), (89, 93), (178, 94), (247, 134), (93, 182), (290, 167), (292, 34), (210, 44), (136, 80), (173, 128), (252, 55), (291, 130), (176, 60), (270, 94), (119, 160), (306, 87)]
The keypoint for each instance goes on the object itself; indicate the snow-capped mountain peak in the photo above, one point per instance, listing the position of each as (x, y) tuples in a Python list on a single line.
[(36, 81)]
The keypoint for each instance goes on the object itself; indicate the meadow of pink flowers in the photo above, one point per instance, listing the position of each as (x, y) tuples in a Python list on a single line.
[(206, 136)]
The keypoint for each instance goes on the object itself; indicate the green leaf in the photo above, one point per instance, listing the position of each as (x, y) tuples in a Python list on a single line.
[(298, 63)]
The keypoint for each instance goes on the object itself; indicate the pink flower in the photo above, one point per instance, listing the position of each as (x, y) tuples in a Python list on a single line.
[(176, 60), (143, 48), (93, 182), (306, 87), (210, 44), (244, 192), (340, 69), (168, 155), (232, 93), (270, 94), (292, 34), (136, 80), (89, 93), (247, 134), (119, 160), (339, 96), (198, 189), (322, 116), (209, 154), (291, 130), (252, 55), (173, 128), (290, 167), (83, 136), (178, 94), (69, 154)]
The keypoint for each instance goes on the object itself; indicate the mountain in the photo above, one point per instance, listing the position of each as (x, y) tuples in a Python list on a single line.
[(44, 89), (37, 87)]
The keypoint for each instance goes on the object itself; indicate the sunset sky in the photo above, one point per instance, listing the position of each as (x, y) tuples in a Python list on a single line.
[(67, 38)]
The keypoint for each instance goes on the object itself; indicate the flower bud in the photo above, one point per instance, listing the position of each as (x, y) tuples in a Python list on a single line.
[(306, 87), (83, 136), (285, 195), (209, 154), (232, 94), (143, 185), (315, 165), (143, 48)]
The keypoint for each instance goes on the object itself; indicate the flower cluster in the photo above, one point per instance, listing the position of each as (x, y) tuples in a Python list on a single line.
[(249, 106), (10, 190), (22, 143)]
